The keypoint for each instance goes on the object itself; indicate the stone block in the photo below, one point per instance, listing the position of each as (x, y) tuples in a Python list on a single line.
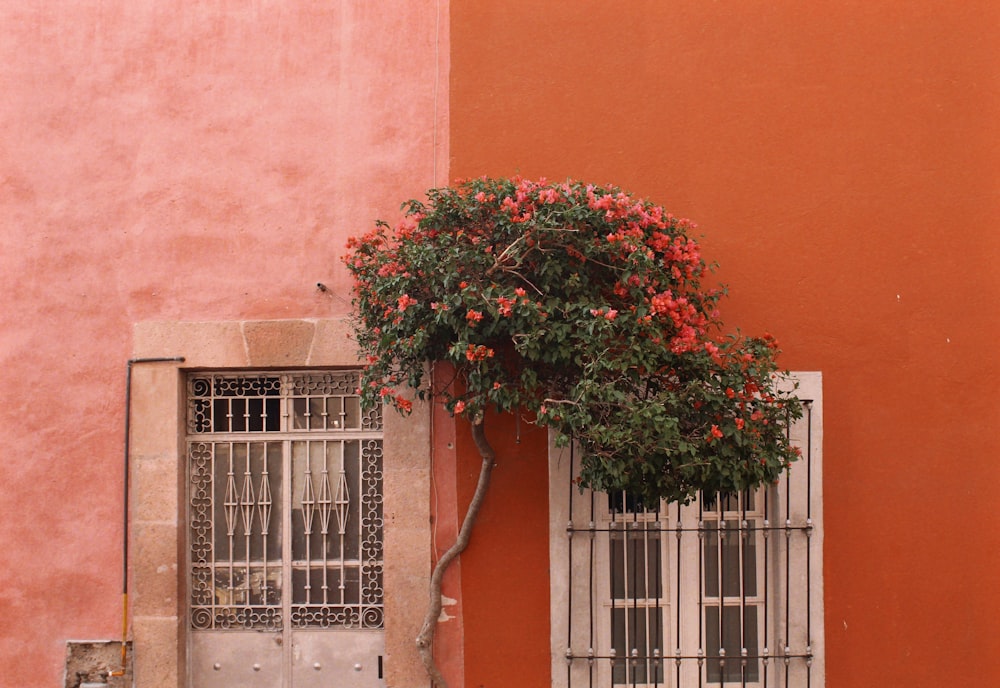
[(154, 562), (279, 342), (159, 655), (202, 344)]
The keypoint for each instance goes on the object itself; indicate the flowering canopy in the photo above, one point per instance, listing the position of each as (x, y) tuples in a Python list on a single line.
[(583, 307)]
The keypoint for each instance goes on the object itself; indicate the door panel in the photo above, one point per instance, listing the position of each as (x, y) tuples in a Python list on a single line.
[(346, 659), (238, 658)]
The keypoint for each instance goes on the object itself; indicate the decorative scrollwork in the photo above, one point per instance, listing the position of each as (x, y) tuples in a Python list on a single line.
[(200, 467), (199, 387), (201, 618), (246, 386), (318, 384), (372, 617), (372, 592), (325, 616), (372, 419), (235, 581), (200, 415)]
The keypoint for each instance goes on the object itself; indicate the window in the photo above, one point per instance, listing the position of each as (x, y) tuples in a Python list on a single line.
[(724, 591)]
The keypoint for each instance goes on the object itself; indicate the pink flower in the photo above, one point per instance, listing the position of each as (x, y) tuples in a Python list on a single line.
[(611, 314), (459, 406)]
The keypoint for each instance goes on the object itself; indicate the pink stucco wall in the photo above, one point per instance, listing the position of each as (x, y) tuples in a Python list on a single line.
[(171, 160)]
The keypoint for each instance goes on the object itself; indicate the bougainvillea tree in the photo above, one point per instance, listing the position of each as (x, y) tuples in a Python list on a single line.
[(585, 309)]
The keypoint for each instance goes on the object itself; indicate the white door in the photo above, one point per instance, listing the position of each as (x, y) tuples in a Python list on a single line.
[(285, 531)]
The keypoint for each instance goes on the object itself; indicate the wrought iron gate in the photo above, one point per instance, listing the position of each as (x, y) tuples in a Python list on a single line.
[(285, 531)]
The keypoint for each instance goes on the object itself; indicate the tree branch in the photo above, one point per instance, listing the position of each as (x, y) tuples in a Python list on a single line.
[(425, 639)]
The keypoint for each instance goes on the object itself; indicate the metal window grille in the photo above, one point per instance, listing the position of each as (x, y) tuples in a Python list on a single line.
[(284, 502), (718, 592)]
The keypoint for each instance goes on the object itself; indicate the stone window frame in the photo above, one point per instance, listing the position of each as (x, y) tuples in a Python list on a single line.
[(158, 599)]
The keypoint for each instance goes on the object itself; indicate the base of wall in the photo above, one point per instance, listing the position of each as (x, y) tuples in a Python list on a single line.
[(91, 663)]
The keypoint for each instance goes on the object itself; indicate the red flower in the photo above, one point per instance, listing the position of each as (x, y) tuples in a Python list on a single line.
[(478, 353), (404, 302)]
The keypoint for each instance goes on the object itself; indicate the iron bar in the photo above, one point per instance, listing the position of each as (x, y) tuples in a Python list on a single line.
[(767, 569), (678, 559), (701, 588), (590, 590), (788, 569), (809, 641), (569, 569)]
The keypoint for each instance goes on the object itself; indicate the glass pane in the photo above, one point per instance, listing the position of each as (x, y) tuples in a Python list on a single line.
[(734, 543), (734, 502), (267, 478), (728, 626), (222, 516), (358, 490), (300, 413), (635, 633), (317, 413), (237, 415), (326, 585), (624, 503), (220, 415), (636, 569), (352, 412), (617, 563), (303, 500)]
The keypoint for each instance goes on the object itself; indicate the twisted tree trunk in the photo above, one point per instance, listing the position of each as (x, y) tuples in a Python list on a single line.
[(425, 639)]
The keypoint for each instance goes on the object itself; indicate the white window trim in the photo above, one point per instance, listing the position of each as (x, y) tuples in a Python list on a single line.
[(562, 557)]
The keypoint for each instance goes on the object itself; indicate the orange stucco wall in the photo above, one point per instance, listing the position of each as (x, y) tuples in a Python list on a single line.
[(841, 160), (183, 161)]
